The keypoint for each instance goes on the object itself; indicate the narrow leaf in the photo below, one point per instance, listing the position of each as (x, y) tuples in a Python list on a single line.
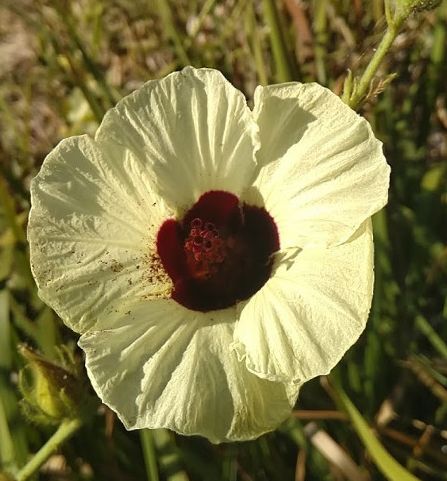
[(387, 465)]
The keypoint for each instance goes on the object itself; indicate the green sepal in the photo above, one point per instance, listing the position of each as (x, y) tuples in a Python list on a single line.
[(51, 391)]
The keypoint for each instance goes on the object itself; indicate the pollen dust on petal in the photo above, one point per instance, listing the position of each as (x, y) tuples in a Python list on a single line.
[(154, 274)]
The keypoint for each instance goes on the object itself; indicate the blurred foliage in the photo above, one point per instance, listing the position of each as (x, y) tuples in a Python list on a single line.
[(62, 64)]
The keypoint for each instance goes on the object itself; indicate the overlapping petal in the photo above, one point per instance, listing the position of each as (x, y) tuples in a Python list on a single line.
[(194, 131), (161, 365), (323, 171), (306, 316), (91, 227)]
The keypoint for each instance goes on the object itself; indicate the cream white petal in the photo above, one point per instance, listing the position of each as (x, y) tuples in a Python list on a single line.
[(161, 365), (91, 229), (323, 171), (194, 131), (305, 317)]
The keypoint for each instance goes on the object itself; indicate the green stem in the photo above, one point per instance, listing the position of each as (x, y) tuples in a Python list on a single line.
[(171, 31), (64, 13), (363, 85), (78, 77), (321, 37), (207, 6), (150, 458), (434, 338), (256, 44), (90, 64), (284, 71), (65, 430)]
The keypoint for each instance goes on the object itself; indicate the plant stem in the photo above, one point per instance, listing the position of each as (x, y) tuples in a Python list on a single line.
[(284, 69), (150, 458), (362, 87), (90, 63), (65, 430), (435, 339), (171, 31), (321, 36), (256, 44)]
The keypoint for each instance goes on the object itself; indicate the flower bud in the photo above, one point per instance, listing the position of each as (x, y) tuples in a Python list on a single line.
[(51, 392)]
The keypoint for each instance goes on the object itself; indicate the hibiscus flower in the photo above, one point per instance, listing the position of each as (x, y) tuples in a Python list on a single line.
[(212, 257)]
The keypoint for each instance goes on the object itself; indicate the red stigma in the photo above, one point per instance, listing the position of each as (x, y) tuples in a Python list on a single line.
[(204, 248)]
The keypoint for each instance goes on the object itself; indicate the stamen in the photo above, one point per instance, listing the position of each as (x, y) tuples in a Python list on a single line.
[(196, 223), (204, 246), (198, 240)]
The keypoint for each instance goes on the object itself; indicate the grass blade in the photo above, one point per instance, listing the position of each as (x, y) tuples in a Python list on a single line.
[(388, 466)]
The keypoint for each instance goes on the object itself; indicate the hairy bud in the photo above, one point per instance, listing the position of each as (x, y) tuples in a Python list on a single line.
[(51, 392)]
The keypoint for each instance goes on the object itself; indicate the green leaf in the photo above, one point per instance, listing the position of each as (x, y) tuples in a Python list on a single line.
[(387, 465), (434, 178)]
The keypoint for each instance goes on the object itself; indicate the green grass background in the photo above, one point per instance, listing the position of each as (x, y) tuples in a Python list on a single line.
[(62, 64)]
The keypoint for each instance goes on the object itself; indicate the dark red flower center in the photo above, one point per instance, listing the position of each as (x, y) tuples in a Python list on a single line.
[(219, 253)]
